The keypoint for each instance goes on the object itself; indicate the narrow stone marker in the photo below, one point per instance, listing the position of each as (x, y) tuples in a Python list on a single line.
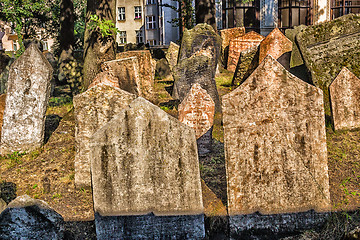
[(345, 100), (226, 36), (26, 102), (197, 111), (145, 177), (247, 63), (275, 150), (93, 109), (172, 55)]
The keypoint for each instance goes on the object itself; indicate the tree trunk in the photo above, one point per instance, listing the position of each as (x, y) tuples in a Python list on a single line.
[(96, 48), (205, 12)]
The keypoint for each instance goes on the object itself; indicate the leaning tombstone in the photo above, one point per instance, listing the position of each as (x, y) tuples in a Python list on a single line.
[(275, 151), (172, 55), (27, 218), (239, 44), (226, 36), (26, 102), (247, 63), (275, 44), (197, 111), (93, 109), (196, 69), (145, 177), (345, 100), (328, 47), (296, 58)]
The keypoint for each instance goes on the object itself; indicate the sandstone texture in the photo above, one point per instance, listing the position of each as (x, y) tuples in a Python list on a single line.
[(239, 44), (248, 62), (296, 59), (93, 109), (27, 218), (345, 100), (275, 144), (26, 102), (126, 70), (146, 70), (275, 44), (145, 161), (105, 78), (172, 54), (226, 36)]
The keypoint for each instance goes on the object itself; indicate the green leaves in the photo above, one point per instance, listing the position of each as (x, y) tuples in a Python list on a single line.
[(105, 27)]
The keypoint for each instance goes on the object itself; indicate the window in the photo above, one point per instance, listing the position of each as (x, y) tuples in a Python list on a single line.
[(122, 37), (293, 13), (121, 11), (149, 2), (151, 42), (343, 7), (139, 36), (238, 14), (151, 22), (137, 12)]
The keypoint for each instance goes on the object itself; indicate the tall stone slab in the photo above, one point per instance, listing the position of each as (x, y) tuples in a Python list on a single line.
[(275, 44), (145, 177), (275, 150), (126, 70), (196, 69), (330, 46), (248, 62), (172, 55), (26, 102), (105, 78), (197, 111), (227, 35), (239, 44), (296, 58), (345, 100), (93, 109), (146, 69)]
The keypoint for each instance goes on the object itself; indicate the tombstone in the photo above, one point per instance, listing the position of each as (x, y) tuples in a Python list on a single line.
[(296, 59), (93, 109), (126, 70), (239, 44), (2, 109), (145, 177), (27, 218), (275, 44), (275, 151), (328, 47), (106, 78), (227, 35), (345, 100), (163, 69), (172, 54), (201, 37), (248, 62), (146, 68), (26, 102), (197, 111), (196, 69)]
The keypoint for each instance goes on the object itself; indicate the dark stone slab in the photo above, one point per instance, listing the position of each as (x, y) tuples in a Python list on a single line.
[(204, 143), (248, 61), (296, 59)]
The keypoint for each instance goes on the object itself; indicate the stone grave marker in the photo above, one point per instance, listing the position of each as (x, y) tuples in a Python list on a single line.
[(172, 55), (197, 111), (275, 44), (328, 47), (196, 69), (275, 150), (248, 62), (145, 177), (239, 44), (106, 78), (345, 100), (93, 109), (126, 70), (227, 35), (26, 102), (296, 59)]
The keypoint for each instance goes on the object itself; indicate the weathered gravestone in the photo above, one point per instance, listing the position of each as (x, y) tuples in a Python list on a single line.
[(227, 35), (328, 47), (248, 62), (275, 44), (163, 69), (146, 70), (197, 111), (145, 177), (239, 44), (345, 100), (196, 69), (172, 54), (2, 109), (27, 218), (275, 149), (93, 109), (106, 78), (296, 59), (26, 102), (126, 70)]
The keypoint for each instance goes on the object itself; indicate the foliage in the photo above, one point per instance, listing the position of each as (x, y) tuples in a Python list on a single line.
[(105, 27), (186, 13), (79, 26)]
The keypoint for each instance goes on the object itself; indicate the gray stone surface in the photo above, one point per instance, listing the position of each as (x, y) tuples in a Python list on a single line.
[(248, 61), (26, 102), (345, 100), (163, 69), (93, 109), (296, 59), (275, 144), (172, 55), (27, 218)]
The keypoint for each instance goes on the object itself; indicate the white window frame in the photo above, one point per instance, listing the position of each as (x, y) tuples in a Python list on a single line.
[(151, 42), (139, 36), (138, 12), (122, 37), (121, 14), (151, 2), (151, 22)]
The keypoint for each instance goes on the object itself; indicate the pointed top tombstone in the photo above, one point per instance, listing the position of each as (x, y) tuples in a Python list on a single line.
[(105, 78), (26, 102), (275, 44), (172, 55), (345, 100)]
